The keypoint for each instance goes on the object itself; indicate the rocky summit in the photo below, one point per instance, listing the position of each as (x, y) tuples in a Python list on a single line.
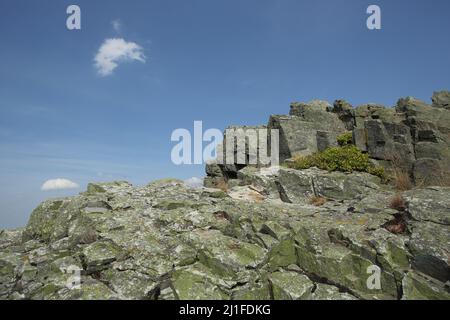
[(358, 209)]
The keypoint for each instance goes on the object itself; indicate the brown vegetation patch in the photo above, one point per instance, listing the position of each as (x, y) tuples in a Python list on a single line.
[(317, 201), (398, 225), (398, 203)]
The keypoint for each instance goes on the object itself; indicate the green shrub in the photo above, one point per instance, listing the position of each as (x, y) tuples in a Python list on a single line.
[(377, 171), (347, 159), (345, 139)]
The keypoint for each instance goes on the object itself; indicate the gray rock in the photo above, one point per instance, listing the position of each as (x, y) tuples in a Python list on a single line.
[(325, 140), (360, 139), (441, 99), (299, 186), (258, 237)]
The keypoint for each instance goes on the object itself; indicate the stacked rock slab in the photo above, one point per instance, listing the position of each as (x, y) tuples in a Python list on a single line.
[(225, 170), (309, 128), (412, 137)]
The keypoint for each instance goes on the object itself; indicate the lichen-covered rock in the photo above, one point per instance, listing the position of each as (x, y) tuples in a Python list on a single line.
[(291, 286), (412, 138), (258, 291), (430, 204), (190, 283), (441, 99), (260, 236), (328, 292), (166, 241), (99, 254), (298, 186), (418, 287)]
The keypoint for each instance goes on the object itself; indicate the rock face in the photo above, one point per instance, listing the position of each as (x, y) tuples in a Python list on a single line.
[(412, 138), (166, 241), (297, 186), (271, 233)]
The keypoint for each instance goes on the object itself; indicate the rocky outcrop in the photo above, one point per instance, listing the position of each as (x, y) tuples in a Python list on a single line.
[(297, 186), (411, 138), (268, 232), (166, 241)]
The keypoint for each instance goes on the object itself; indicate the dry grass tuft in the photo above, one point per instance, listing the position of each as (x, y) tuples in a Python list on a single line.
[(256, 196), (402, 181), (398, 203), (317, 201), (222, 185), (401, 178)]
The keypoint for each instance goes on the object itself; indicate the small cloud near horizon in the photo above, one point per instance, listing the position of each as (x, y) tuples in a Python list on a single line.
[(194, 182), (59, 184), (114, 51)]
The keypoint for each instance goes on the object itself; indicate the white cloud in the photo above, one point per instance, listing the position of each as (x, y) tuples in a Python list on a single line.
[(58, 184), (117, 25), (116, 50), (194, 182)]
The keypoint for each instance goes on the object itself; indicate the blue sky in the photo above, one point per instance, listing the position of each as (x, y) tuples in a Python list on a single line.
[(222, 62)]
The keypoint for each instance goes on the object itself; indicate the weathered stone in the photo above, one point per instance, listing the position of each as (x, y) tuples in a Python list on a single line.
[(192, 284), (42, 223), (213, 170), (128, 284), (345, 113), (325, 140), (366, 112), (327, 292), (313, 111), (298, 133), (342, 186), (94, 188), (418, 287), (262, 178), (214, 182), (441, 99), (360, 138), (282, 255), (99, 254), (295, 186), (429, 204), (427, 171), (259, 291), (223, 254), (167, 241), (429, 246), (291, 286), (299, 186), (90, 290)]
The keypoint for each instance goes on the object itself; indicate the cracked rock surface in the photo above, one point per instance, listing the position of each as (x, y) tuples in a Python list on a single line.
[(167, 241)]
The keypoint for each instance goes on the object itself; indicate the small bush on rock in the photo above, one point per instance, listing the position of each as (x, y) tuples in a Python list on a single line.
[(345, 139), (347, 159)]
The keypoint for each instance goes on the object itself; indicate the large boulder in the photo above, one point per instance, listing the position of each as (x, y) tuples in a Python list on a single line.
[(441, 99), (298, 186), (308, 128)]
